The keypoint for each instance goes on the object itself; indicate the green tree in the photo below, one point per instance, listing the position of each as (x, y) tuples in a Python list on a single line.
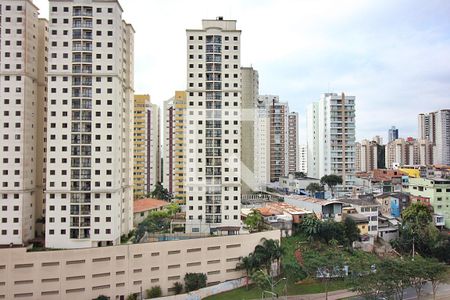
[(325, 266), (247, 263), (267, 252), (255, 221), (194, 281), (299, 175), (311, 226), (154, 292), (178, 288), (331, 230), (436, 272), (351, 231), (331, 181), (313, 188), (132, 297), (160, 192)]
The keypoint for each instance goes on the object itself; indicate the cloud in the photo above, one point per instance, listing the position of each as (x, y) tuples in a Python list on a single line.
[(392, 55)]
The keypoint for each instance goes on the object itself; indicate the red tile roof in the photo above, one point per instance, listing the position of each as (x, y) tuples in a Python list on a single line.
[(148, 204)]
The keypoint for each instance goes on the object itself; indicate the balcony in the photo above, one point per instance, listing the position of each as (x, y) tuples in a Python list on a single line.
[(82, 12), (82, 24), (77, 47)]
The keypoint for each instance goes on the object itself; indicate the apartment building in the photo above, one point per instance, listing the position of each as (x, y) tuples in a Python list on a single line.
[(292, 143), (213, 127), (250, 91), (401, 152), (153, 147), (369, 155), (23, 55), (303, 159), (174, 139), (142, 139), (435, 127), (90, 124), (262, 144), (331, 138), (392, 134)]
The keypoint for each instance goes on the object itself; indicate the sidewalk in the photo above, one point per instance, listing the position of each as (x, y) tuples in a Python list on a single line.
[(335, 295)]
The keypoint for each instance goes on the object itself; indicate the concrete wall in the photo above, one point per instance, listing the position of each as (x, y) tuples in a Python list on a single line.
[(118, 271)]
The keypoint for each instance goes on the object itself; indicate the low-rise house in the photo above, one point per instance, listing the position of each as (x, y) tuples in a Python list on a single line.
[(368, 207), (392, 203), (362, 222), (388, 228), (435, 191), (142, 207), (324, 209), (296, 185)]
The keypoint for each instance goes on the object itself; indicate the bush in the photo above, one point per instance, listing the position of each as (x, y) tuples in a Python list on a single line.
[(194, 281), (178, 287), (132, 297), (102, 297), (154, 292)]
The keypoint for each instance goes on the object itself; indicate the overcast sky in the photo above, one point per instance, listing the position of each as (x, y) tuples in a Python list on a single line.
[(394, 56)]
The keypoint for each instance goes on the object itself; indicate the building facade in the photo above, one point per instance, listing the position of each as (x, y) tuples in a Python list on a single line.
[(303, 159), (392, 134), (431, 191), (213, 127), (331, 138), (292, 140), (89, 182), (174, 139), (369, 155), (141, 135), (23, 88), (250, 90), (413, 152), (153, 147), (262, 144), (435, 127)]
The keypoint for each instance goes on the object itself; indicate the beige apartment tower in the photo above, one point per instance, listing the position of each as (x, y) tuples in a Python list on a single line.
[(23, 54), (174, 139), (89, 185), (213, 128)]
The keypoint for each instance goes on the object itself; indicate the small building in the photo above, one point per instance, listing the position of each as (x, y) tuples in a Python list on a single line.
[(392, 203), (324, 209), (142, 207), (362, 222), (435, 191), (368, 207), (387, 228), (296, 185)]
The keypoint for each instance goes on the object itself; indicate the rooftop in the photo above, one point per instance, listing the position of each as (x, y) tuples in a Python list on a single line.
[(322, 202), (290, 209), (366, 201), (147, 204)]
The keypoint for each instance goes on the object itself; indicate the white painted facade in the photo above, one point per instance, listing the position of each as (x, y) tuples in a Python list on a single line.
[(22, 104), (90, 124), (213, 125), (303, 158), (262, 145)]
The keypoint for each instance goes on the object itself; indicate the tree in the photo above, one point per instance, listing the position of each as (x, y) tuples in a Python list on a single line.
[(255, 221), (299, 175), (194, 281), (177, 288), (351, 231), (326, 266), (417, 274), (331, 230), (267, 252), (160, 192), (311, 226), (331, 181), (313, 188), (247, 263), (154, 292), (436, 273)]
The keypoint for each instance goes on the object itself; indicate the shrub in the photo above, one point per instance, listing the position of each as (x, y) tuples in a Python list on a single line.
[(194, 281), (178, 287), (154, 292)]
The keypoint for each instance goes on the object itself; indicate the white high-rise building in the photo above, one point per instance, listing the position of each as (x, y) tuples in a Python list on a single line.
[(303, 158), (262, 144), (292, 143), (435, 127), (442, 141), (89, 192), (213, 125), (23, 55), (331, 138)]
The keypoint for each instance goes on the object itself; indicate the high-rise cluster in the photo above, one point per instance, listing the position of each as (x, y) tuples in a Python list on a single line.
[(435, 127)]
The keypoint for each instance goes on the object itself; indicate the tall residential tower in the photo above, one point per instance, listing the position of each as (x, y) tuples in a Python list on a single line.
[(213, 127), (90, 124)]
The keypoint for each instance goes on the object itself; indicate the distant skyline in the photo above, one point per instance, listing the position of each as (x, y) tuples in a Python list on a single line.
[(392, 55)]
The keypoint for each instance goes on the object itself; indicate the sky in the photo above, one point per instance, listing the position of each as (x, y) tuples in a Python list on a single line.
[(394, 56)]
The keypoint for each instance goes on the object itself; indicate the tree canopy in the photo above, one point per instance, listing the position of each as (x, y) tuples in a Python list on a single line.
[(160, 192), (255, 221), (331, 181)]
